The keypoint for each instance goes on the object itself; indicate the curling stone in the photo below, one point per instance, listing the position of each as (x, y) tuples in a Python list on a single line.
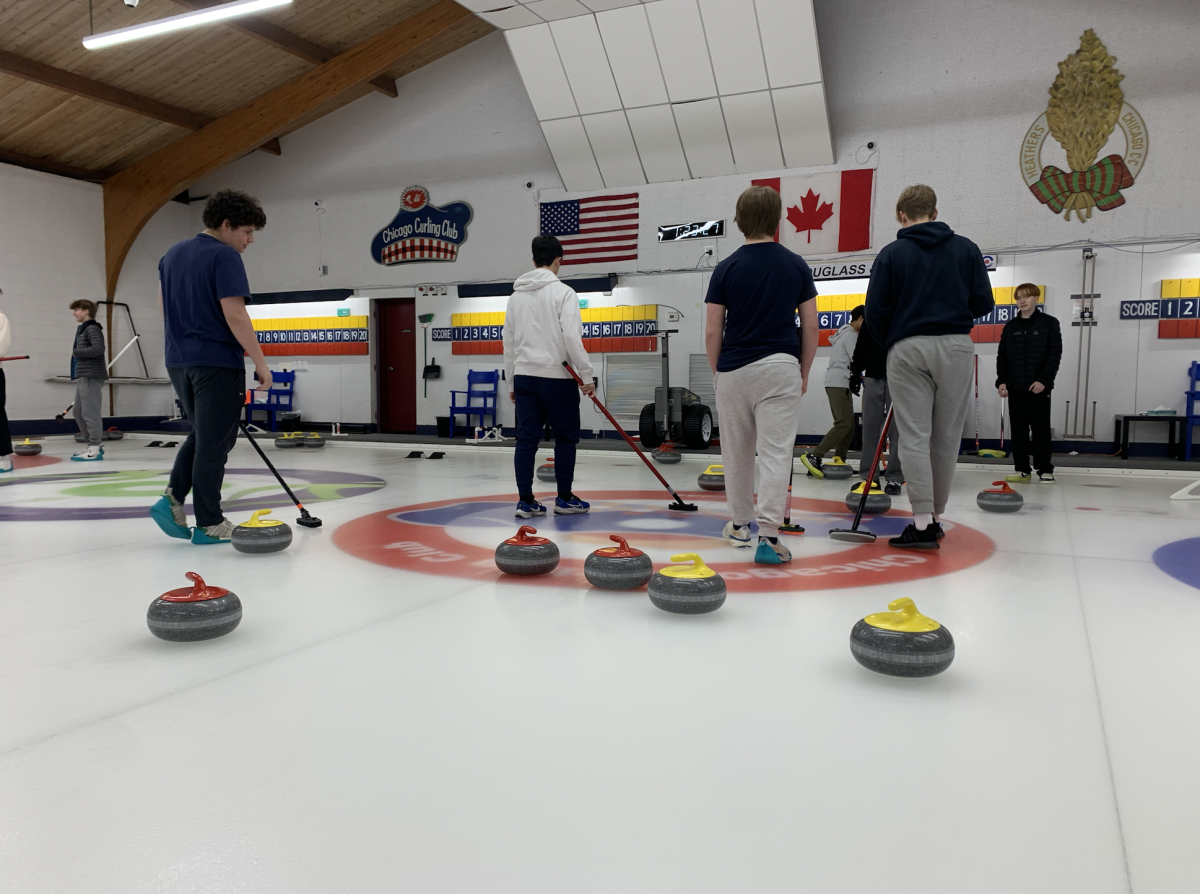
[(194, 613), (312, 440), (27, 448), (526, 555), (712, 478), (113, 434), (261, 535), (837, 469), (667, 454), (877, 501), (902, 642), (291, 439), (618, 567), (687, 589), (1001, 499), (545, 472)]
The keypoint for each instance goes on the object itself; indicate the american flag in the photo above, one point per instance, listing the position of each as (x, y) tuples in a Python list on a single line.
[(601, 229)]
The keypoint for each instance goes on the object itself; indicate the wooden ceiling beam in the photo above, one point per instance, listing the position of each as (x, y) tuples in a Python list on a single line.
[(133, 196), (50, 166), (69, 82), (261, 29)]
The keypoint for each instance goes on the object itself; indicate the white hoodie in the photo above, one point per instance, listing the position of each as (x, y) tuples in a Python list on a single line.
[(837, 375), (542, 328), (5, 336)]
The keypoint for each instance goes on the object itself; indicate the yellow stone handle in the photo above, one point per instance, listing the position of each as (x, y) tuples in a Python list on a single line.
[(694, 558), (712, 470), (257, 517)]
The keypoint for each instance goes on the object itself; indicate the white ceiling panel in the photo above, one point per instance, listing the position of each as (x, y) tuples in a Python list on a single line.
[(682, 49), (705, 142), (613, 146), (750, 122), (734, 47), (631, 52), (583, 58), (551, 10), (789, 40), (602, 5), (803, 125), (573, 154), (545, 81), (658, 144), (507, 19)]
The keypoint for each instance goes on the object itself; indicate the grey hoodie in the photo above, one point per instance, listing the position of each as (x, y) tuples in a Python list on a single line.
[(542, 328), (842, 342)]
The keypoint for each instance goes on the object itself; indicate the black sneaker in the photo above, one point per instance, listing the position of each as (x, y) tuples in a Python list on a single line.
[(911, 538), (941, 532), (892, 488), (812, 462)]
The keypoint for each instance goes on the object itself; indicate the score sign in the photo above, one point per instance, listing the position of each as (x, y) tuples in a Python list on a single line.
[(1139, 310), (1161, 309)]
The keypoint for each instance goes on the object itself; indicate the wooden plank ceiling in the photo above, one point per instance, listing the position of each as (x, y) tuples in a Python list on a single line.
[(90, 124)]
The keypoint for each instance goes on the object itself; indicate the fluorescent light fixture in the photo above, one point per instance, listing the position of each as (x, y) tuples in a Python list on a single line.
[(175, 23)]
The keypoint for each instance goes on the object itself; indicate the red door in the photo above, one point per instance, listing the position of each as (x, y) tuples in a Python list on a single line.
[(396, 321)]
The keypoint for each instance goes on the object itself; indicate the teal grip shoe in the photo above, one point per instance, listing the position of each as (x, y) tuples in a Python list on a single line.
[(164, 516)]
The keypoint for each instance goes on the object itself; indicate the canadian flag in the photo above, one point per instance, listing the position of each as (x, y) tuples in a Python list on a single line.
[(825, 213)]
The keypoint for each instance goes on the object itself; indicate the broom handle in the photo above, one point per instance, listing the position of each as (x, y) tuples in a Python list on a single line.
[(862, 504)]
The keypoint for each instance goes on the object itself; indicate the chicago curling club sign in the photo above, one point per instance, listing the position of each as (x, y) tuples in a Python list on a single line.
[(421, 231)]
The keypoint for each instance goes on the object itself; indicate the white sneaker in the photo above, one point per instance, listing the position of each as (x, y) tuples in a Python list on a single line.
[(6, 464), (735, 535)]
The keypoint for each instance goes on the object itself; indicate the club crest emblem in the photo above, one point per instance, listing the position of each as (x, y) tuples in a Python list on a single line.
[(1086, 108), (421, 231)]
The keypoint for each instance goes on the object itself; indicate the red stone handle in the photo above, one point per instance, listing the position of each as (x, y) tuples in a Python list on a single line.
[(198, 592)]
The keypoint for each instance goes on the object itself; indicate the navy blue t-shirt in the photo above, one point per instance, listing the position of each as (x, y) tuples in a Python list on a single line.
[(761, 285), (195, 275)]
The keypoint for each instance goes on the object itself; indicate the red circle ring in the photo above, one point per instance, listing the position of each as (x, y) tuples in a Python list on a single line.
[(380, 539)]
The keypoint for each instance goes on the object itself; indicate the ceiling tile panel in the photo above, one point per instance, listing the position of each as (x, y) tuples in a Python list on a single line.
[(658, 144), (734, 47), (583, 58), (552, 10), (631, 52), (545, 81), (573, 154), (803, 125), (682, 49), (750, 121), (702, 129), (601, 5), (789, 40), (513, 17), (613, 146)]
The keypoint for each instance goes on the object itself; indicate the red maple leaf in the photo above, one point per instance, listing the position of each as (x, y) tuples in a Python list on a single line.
[(809, 216)]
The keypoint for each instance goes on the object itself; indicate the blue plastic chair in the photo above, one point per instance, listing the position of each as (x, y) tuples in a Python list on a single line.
[(279, 398), (483, 385), (1193, 417)]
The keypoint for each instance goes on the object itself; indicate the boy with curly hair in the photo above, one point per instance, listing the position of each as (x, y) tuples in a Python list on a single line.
[(89, 372)]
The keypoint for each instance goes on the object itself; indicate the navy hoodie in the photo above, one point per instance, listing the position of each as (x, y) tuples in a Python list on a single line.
[(928, 282)]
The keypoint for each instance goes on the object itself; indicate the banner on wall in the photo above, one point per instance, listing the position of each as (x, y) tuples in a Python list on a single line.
[(421, 231), (825, 213)]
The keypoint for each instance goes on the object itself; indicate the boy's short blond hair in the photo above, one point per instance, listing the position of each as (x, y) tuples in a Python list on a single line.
[(1027, 288), (759, 210), (83, 303), (917, 202)]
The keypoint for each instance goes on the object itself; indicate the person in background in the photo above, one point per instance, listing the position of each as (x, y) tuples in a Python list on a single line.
[(208, 334), (869, 366), (1026, 364), (759, 371), (841, 403), (89, 372), (926, 290), (6, 447), (542, 328)]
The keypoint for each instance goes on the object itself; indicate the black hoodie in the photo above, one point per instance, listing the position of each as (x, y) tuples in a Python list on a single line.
[(928, 282)]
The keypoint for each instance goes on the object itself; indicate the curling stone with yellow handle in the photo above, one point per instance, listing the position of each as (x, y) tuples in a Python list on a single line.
[(290, 439), (902, 642), (712, 478), (261, 535), (877, 501), (687, 589), (837, 469), (27, 448)]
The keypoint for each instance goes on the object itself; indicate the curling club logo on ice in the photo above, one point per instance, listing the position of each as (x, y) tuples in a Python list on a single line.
[(421, 231)]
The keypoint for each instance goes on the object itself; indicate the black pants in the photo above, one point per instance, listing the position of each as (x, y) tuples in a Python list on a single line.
[(1030, 411), (5, 436), (212, 398), (541, 400)]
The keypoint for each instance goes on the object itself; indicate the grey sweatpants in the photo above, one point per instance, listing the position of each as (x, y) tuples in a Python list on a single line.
[(759, 406), (930, 377), (875, 401), (89, 393)]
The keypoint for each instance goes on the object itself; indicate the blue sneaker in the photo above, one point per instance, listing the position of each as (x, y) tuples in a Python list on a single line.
[(91, 455), (530, 510), (573, 506), (769, 553), (168, 514)]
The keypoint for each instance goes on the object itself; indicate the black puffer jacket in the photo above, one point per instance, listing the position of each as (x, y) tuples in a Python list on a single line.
[(870, 359), (88, 354), (1030, 350)]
